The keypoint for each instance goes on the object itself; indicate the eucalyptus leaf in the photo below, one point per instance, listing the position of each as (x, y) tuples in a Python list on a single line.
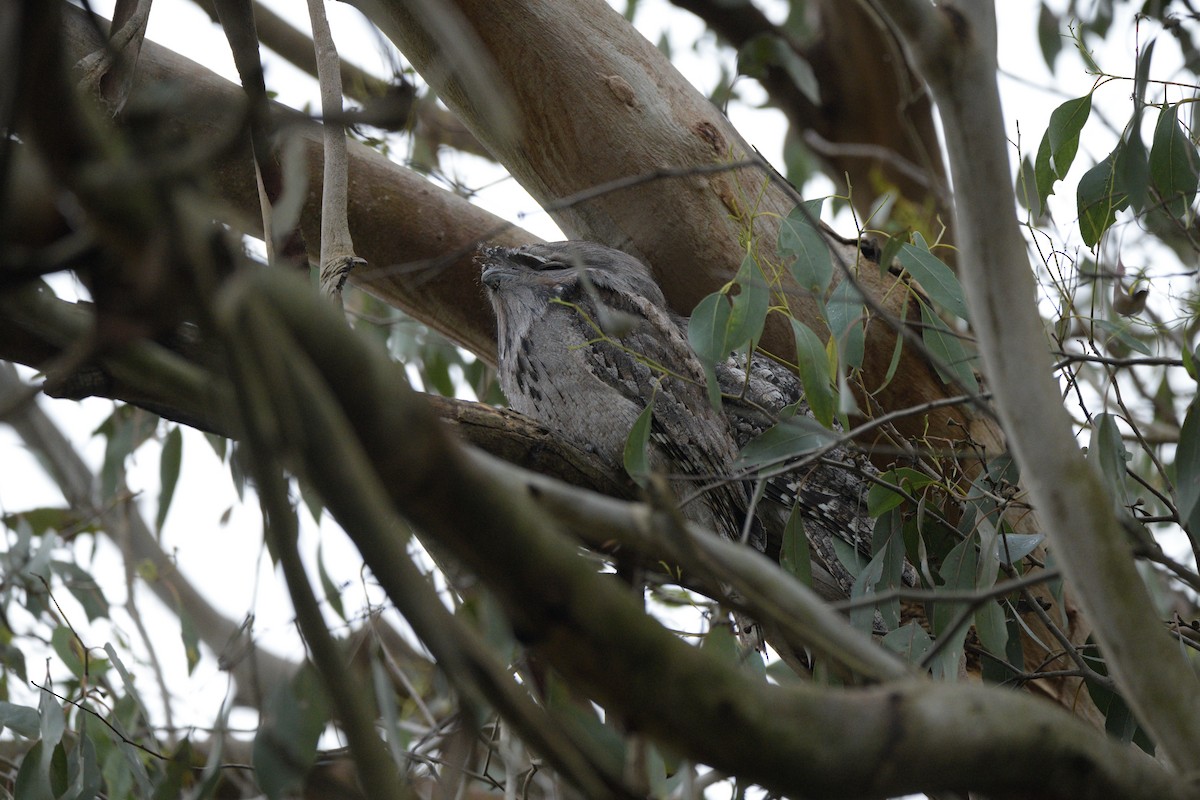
[(637, 446), (708, 328), (168, 469), (749, 311), (845, 314), (1098, 199), (813, 361), (787, 439), (799, 238), (937, 279), (1187, 469), (1173, 163), (952, 360)]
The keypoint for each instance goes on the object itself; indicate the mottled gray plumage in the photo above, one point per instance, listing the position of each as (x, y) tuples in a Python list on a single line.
[(586, 340)]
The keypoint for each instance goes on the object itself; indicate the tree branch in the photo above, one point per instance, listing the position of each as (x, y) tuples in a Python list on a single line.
[(917, 736), (954, 45)]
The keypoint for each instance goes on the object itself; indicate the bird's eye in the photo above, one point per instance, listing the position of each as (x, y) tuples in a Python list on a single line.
[(529, 260)]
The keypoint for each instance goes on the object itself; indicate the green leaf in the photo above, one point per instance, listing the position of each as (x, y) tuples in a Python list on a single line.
[(708, 327), (1098, 200), (69, 650), (721, 642), (1049, 38), (1173, 163), (190, 638), (814, 365), (1121, 332), (1027, 189), (799, 238), (958, 571), (33, 776), (126, 429), (1108, 451), (83, 769), (937, 279), (1141, 80), (1189, 363), (749, 312), (952, 358), (991, 627), (1060, 143), (795, 557), (845, 314), (127, 681), (881, 498), (286, 744), (168, 469), (1131, 172), (637, 446), (1012, 547), (332, 595), (787, 439), (1187, 470), (21, 720), (910, 641), (83, 587)]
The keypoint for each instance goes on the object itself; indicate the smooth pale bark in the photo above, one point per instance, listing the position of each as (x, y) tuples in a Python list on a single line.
[(955, 48), (595, 102)]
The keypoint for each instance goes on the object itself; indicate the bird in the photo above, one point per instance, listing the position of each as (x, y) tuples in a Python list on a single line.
[(586, 341)]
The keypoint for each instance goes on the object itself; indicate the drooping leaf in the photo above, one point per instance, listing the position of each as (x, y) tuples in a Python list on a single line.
[(1049, 38), (70, 650), (845, 314), (127, 681), (1173, 163), (1027, 191), (953, 361), (958, 570), (813, 361), (190, 638), (168, 470), (1141, 79), (1108, 451), (1131, 172), (126, 429), (1060, 143), (708, 328), (1187, 470), (795, 557), (1098, 200), (286, 744), (637, 446), (800, 239), (937, 279), (749, 311), (992, 627), (332, 595), (33, 777)]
